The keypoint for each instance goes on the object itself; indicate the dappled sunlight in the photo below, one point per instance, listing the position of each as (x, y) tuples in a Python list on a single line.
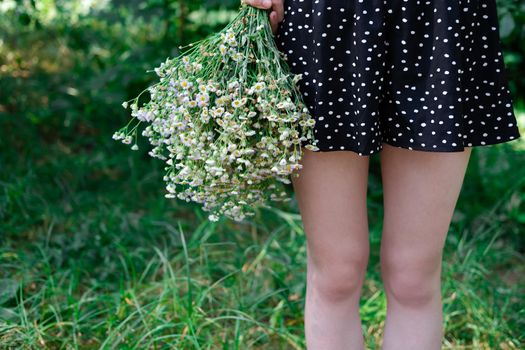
[(93, 256), (520, 117)]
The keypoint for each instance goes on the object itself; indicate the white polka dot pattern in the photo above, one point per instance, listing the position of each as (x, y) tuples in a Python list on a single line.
[(419, 74)]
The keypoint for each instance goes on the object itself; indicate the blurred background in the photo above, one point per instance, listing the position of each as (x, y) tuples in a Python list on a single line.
[(92, 256)]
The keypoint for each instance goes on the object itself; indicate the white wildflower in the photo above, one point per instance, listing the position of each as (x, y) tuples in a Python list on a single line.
[(259, 86), (224, 133), (202, 99), (197, 66), (237, 56), (217, 112), (232, 85), (213, 217), (203, 88), (239, 102), (185, 84), (118, 135)]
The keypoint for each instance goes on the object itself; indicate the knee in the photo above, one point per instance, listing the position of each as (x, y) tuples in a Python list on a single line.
[(337, 282), (411, 283)]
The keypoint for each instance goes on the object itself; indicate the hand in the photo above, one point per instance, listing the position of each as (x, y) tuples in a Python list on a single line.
[(276, 12)]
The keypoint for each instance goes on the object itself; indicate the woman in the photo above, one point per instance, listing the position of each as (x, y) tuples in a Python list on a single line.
[(422, 81)]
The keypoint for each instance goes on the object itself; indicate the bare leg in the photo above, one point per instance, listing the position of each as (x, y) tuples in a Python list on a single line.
[(420, 193), (331, 193)]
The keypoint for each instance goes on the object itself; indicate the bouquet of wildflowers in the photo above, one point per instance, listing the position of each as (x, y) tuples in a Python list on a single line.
[(227, 118)]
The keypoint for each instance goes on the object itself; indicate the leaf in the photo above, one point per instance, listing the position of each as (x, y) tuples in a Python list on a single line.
[(7, 315), (8, 288), (507, 25)]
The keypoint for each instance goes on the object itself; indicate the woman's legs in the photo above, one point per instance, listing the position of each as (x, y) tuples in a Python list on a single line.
[(420, 194), (331, 193)]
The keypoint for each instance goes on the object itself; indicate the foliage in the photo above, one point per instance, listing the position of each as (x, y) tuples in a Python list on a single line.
[(93, 257), (227, 118)]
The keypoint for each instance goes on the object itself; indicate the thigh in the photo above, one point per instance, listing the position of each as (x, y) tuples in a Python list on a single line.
[(420, 193), (331, 193)]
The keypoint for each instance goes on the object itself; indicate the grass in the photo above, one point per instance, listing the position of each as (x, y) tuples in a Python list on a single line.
[(93, 257)]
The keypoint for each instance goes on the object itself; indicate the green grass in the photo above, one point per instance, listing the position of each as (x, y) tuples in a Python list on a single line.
[(93, 257)]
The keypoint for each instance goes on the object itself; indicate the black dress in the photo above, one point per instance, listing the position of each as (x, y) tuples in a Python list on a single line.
[(418, 74)]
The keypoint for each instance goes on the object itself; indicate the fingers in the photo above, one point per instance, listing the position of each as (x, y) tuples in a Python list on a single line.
[(262, 4), (279, 9), (277, 13), (273, 21)]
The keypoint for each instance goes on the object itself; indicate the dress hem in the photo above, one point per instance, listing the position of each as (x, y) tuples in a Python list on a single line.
[(517, 136)]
